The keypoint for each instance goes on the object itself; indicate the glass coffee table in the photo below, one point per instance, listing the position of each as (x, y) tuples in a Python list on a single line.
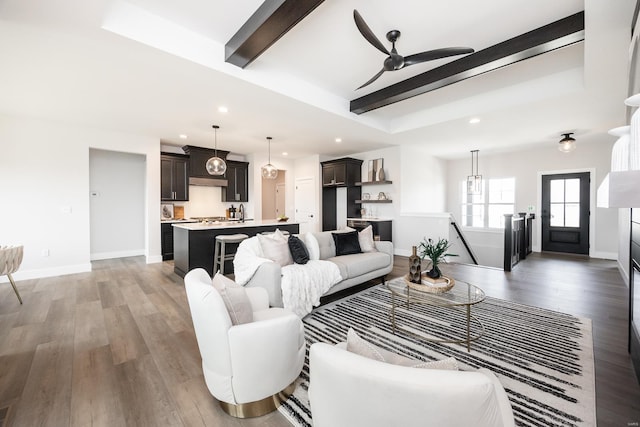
[(462, 295)]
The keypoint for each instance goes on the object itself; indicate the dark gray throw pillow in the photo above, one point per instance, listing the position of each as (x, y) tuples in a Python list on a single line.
[(298, 250), (346, 243)]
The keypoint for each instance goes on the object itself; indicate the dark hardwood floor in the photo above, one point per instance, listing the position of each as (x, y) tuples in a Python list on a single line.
[(116, 346)]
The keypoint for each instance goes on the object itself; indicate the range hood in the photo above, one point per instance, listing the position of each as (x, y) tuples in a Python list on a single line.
[(198, 174), (208, 182)]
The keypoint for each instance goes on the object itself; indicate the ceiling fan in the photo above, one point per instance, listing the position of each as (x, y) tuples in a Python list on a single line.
[(395, 61)]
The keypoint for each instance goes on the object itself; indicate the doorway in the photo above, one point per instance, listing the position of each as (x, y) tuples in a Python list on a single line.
[(305, 201), (117, 204), (273, 196), (565, 212)]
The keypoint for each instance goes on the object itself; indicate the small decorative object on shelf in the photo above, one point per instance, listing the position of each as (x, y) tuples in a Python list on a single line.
[(381, 175), (366, 196), (437, 253), (415, 266), (382, 196)]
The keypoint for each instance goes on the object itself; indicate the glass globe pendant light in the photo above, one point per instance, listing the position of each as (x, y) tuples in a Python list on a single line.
[(215, 165), (567, 144), (269, 171)]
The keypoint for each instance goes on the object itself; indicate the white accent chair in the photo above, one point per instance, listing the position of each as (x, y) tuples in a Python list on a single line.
[(10, 260), (350, 390), (250, 368)]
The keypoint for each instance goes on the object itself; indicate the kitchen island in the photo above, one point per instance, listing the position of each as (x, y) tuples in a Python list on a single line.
[(193, 243)]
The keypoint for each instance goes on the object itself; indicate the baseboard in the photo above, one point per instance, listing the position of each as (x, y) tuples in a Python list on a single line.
[(605, 255), (152, 259), (116, 254), (402, 252), (48, 272), (624, 273)]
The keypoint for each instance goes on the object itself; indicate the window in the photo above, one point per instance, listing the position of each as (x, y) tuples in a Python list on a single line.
[(487, 210), (565, 202)]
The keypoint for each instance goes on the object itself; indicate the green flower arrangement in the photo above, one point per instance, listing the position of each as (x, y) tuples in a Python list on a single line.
[(436, 252)]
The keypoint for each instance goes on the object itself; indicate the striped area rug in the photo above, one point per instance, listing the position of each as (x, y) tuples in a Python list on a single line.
[(544, 359)]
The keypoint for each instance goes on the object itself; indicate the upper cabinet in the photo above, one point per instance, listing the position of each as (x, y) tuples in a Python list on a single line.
[(237, 175), (343, 172), (198, 160), (174, 177)]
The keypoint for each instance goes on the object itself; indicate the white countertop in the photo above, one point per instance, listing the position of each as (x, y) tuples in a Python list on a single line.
[(174, 221), (370, 219), (232, 224)]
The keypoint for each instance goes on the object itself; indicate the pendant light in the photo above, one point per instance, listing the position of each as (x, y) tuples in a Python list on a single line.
[(215, 165), (269, 171), (567, 144), (474, 181)]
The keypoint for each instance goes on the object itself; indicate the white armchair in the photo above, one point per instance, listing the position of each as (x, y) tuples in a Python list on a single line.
[(10, 260), (250, 368), (346, 389)]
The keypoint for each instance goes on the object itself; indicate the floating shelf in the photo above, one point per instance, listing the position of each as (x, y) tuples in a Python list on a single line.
[(374, 201), (373, 183)]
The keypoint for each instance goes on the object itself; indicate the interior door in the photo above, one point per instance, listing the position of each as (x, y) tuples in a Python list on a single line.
[(305, 194), (565, 213)]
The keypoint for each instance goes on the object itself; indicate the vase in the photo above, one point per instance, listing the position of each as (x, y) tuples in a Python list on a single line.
[(415, 266), (381, 175), (435, 272)]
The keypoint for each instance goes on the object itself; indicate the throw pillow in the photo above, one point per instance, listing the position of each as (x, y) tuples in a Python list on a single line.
[(346, 243), (312, 246), (274, 247), (357, 345), (235, 299), (298, 250), (365, 238)]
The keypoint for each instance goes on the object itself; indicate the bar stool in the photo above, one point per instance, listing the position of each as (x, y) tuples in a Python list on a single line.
[(220, 254)]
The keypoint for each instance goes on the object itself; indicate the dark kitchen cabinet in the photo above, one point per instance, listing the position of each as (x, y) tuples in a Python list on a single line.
[(343, 172), (166, 241), (174, 177), (237, 175)]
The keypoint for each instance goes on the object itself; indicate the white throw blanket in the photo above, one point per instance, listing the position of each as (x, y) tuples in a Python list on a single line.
[(304, 284), (247, 260)]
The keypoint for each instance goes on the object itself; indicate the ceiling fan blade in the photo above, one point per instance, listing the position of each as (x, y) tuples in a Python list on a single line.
[(367, 33), (373, 79), (430, 55)]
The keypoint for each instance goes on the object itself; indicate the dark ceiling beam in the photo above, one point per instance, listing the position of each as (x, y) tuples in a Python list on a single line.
[(272, 20), (553, 36)]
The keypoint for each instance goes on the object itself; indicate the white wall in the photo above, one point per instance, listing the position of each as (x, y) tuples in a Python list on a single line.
[(525, 166), (44, 168), (117, 204)]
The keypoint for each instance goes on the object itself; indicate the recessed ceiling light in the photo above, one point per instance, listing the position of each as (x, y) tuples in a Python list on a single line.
[(183, 136), (223, 109), (338, 140), (284, 153), (474, 120)]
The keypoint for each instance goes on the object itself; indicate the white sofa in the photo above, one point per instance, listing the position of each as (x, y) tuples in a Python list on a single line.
[(354, 269), (250, 368), (349, 390)]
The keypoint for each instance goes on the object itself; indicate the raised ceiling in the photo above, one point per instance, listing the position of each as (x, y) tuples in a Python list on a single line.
[(156, 67)]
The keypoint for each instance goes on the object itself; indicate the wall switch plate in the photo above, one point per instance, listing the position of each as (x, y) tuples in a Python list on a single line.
[(65, 209), (45, 252)]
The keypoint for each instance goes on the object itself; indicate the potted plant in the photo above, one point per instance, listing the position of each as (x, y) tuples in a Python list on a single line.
[(436, 252)]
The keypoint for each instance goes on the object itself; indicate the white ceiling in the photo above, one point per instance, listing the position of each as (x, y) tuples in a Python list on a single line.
[(156, 67)]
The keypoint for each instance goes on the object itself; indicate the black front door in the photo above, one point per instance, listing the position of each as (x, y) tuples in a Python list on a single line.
[(565, 213)]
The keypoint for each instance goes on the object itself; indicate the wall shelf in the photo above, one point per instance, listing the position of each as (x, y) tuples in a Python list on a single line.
[(374, 201), (373, 183)]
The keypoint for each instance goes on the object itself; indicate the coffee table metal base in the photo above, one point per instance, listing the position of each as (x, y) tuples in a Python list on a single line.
[(467, 308)]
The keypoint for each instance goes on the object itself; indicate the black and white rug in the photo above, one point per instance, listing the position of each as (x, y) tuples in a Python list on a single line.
[(543, 358)]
